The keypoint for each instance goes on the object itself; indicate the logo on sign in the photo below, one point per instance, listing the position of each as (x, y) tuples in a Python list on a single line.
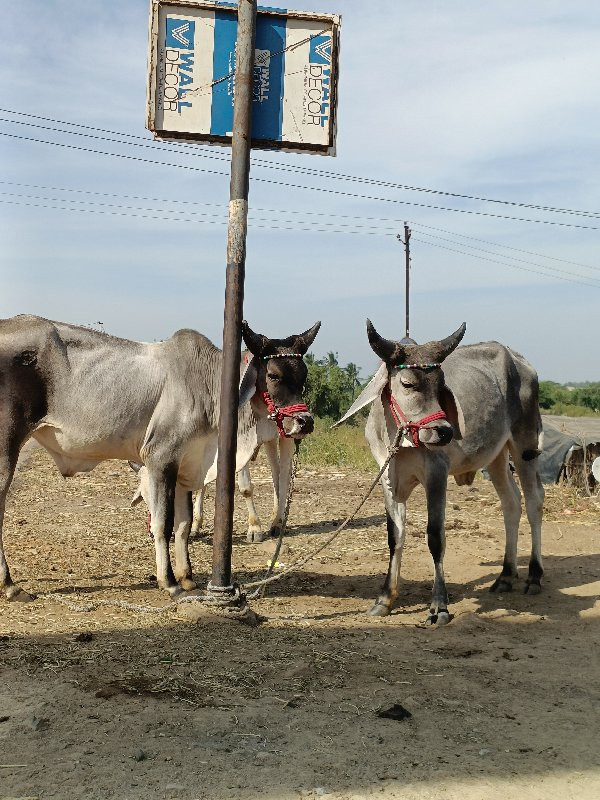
[(318, 82), (180, 33), (178, 63), (262, 66), (321, 50)]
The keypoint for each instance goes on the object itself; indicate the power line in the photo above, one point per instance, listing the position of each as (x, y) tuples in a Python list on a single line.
[(206, 152), (495, 244), (323, 189), (270, 226), (223, 215), (506, 264), (216, 219), (356, 222), (512, 258)]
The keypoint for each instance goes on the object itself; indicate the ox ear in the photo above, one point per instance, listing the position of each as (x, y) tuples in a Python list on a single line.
[(304, 340), (454, 413), (371, 392), (248, 383), (255, 342)]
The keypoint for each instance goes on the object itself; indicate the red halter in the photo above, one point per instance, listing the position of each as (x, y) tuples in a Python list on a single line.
[(410, 428), (278, 414)]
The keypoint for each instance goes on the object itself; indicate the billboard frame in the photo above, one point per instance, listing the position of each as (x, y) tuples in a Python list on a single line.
[(330, 20)]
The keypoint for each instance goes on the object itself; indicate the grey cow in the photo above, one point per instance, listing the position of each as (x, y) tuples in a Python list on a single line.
[(457, 410), (86, 397)]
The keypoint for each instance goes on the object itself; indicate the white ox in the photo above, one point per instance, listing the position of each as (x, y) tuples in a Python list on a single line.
[(279, 461), (86, 397), (457, 410)]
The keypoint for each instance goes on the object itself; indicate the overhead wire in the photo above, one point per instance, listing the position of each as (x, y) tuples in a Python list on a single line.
[(584, 282), (496, 244), (336, 192), (278, 224), (356, 221), (494, 253), (206, 152)]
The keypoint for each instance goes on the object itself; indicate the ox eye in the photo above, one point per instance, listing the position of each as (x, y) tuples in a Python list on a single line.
[(272, 377), (407, 384)]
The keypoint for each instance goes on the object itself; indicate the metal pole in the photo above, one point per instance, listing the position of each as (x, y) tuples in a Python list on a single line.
[(234, 294), (407, 266)]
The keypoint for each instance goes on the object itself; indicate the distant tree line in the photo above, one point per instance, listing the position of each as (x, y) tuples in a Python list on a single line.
[(582, 399), (330, 388)]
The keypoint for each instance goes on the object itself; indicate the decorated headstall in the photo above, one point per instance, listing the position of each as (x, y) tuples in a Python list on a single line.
[(396, 356), (278, 414)]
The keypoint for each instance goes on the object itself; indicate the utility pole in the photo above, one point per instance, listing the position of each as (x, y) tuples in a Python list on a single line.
[(406, 243), (234, 297)]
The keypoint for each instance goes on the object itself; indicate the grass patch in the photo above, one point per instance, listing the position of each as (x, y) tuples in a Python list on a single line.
[(345, 446)]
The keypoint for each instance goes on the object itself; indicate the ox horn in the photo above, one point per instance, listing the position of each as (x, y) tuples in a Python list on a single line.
[(304, 340), (386, 349), (255, 342), (438, 351)]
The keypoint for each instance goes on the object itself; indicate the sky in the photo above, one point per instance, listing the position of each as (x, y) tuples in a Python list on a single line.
[(492, 100)]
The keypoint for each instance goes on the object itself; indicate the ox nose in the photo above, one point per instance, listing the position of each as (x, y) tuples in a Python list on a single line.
[(299, 425), (445, 434), (437, 436), (307, 423)]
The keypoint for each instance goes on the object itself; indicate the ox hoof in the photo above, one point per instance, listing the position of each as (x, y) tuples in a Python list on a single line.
[(256, 536), (17, 595), (501, 585), (437, 619), (174, 591), (379, 610), (275, 531), (188, 584), (532, 587)]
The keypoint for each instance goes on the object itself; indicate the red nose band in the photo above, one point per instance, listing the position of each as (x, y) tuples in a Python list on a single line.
[(410, 428)]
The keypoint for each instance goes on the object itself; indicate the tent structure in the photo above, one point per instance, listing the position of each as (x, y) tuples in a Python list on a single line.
[(571, 444)]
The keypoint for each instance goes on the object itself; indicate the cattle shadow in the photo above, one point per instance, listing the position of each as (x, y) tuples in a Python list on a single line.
[(561, 573)]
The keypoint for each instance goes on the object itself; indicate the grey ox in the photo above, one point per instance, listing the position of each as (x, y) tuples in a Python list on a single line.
[(454, 411), (86, 397)]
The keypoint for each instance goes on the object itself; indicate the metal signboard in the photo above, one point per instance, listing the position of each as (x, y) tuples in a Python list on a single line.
[(191, 85)]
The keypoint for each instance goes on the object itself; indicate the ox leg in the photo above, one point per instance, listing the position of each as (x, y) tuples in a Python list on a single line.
[(287, 448), (162, 515), (435, 491), (533, 491), (275, 522), (7, 470), (510, 500), (395, 512), (182, 526), (245, 487), (272, 450), (198, 514)]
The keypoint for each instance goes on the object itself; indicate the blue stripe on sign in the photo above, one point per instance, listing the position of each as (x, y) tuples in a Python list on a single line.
[(221, 122), (267, 109)]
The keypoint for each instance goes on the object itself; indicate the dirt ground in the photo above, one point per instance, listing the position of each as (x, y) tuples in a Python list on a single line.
[(114, 703)]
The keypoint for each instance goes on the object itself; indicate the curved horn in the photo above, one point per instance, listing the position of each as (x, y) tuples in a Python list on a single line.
[(255, 342), (442, 349), (386, 349), (304, 340)]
